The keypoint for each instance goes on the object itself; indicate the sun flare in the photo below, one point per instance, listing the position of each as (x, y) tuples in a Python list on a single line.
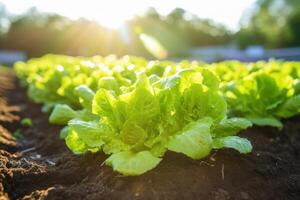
[(111, 14)]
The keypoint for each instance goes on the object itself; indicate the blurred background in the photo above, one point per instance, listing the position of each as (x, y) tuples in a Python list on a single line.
[(213, 30)]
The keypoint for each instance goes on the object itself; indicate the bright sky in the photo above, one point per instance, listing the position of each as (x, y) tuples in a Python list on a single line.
[(112, 13)]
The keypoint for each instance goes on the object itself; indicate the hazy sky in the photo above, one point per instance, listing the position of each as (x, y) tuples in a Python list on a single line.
[(113, 12)]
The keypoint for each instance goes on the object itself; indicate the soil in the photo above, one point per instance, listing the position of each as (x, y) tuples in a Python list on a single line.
[(38, 165)]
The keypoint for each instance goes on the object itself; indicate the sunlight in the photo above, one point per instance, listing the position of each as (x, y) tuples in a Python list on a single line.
[(113, 13), (113, 22), (153, 46)]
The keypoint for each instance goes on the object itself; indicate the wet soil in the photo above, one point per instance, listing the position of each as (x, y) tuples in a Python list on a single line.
[(36, 164)]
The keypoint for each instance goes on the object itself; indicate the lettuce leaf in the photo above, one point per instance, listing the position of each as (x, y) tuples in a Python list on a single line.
[(194, 140), (132, 164), (62, 114), (242, 145), (231, 126)]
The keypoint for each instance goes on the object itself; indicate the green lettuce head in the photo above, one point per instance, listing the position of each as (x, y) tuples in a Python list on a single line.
[(184, 113)]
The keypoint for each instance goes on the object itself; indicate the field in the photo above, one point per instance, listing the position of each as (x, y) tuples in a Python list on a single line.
[(261, 162)]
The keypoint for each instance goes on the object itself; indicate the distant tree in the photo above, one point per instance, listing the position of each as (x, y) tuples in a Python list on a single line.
[(272, 23), (151, 12), (294, 26), (39, 33)]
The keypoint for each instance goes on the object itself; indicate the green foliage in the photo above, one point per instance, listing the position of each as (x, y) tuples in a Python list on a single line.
[(130, 163), (18, 134), (132, 109), (135, 110), (27, 122), (261, 92), (240, 144), (265, 26)]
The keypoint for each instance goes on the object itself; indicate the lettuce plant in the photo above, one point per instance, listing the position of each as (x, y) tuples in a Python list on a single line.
[(52, 79), (183, 113), (263, 97)]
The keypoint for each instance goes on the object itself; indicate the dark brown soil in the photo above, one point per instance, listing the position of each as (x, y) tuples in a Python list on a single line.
[(39, 166)]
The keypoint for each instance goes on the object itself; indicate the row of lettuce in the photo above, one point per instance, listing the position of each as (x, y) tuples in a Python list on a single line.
[(135, 110)]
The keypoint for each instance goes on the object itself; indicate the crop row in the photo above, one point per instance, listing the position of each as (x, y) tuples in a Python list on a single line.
[(135, 110)]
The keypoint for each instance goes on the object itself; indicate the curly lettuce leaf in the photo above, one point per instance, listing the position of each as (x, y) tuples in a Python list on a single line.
[(194, 140), (268, 121), (242, 145), (231, 126), (62, 114), (290, 108), (64, 132), (131, 163), (76, 145), (91, 133), (85, 95)]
